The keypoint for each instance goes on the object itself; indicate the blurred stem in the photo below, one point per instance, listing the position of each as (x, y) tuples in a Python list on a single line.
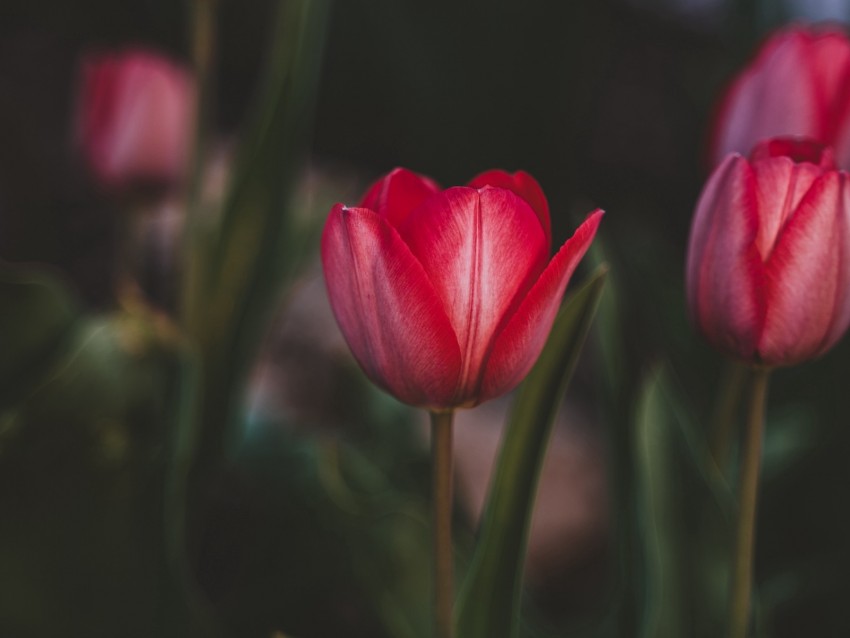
[(240, 258), (126, 248), (194, 249), (725, 413), (441, 473), (203, 50), (742, 574)]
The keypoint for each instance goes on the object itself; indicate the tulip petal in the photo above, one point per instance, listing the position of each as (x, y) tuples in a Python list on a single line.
[(780, 185), (520, 342), (134, 117), (759, 103), (831, 60), (387, 308), (806, 277), (482, 250), (829, 64), (397, 194), (724, 269), (522, 184)]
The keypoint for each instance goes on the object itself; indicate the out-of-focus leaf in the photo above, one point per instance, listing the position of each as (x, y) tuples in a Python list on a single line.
[(36, 317), (83, 475), (312, 538), (792, 435), (686, 515), (656, 469), (239, 264), (489, 602), (618, 383)]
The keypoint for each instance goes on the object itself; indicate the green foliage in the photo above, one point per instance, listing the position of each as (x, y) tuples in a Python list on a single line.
[(686, 518), (37, 315), (85, 451), (489, 602), (311, 523), (241, 255)]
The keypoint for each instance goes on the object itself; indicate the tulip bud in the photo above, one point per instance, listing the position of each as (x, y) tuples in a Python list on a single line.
[(795, 86), (135, 118), (768, 267), (446, 297)]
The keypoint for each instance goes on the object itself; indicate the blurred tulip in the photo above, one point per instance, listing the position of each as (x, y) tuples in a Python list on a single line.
[(768, 272), (798, 85), (446, 297), (135, 118)]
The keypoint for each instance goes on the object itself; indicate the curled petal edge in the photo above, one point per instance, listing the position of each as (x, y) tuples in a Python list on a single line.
[(517, 347)]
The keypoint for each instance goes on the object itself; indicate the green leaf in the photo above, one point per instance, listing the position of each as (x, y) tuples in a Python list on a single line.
[(36, 317), (238, 266), (489, 602), (301, 507), (685, 513), (84, 466)]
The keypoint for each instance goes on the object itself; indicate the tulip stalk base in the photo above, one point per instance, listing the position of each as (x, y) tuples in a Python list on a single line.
[(742, 575), (441, 458)]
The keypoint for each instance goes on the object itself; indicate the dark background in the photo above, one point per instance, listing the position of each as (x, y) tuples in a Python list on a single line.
[(606, 103)]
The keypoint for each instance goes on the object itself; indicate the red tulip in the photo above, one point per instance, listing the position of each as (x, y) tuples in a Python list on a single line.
[(768, 271), (446, 297), (797, 85), (135, 118)]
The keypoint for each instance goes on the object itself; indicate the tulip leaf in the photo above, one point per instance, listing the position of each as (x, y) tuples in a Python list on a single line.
[(303, 494), (36, 317), (238, 266), (685, 518), (489, 601), (85, 458)]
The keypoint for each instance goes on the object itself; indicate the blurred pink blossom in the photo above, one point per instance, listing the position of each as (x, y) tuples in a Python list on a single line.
[(798, 84), (135, 118)]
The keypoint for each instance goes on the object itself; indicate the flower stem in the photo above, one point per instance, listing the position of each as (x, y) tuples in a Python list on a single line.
[(203, 36), (742, 574), (441, 473)]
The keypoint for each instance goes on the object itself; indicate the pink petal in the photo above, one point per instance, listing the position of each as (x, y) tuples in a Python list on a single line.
[(842, 138), (841, 311), (387, 309), (806, 278), (773, 97), (135, 116), (798, 149), (829, 61), (523, 185), (397, 194), (482, 250), (724, 269), (831, 57), (780, 185), (518, 345)]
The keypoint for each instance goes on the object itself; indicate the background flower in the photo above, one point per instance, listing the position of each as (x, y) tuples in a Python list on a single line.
[(797, 84), (136, 117), (768, 274)]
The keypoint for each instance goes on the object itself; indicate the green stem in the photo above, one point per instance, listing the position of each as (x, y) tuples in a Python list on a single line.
[(441, 473), (203, 36), (742, 574), (203, 55)]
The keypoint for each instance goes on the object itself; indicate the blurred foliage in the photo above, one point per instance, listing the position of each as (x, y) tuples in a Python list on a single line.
[(489, 603), (687, 518), (85, 442), (239, 258)]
